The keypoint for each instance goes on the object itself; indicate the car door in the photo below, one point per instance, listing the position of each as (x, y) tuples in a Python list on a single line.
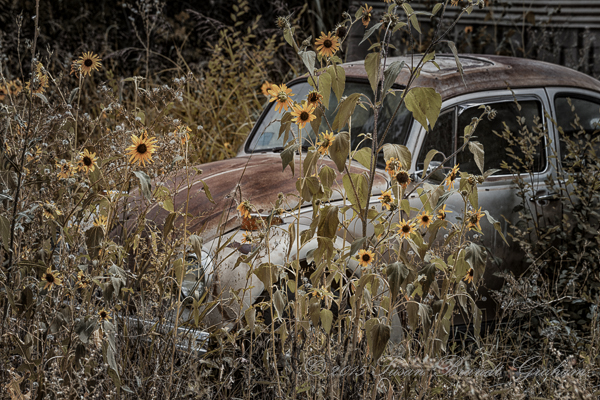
[(518, 112)]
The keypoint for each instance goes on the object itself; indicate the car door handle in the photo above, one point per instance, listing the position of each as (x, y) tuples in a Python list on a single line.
[(545, 197)]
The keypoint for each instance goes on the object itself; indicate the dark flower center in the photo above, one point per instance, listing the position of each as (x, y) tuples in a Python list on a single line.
[(341, 31), (87, 161), (50, 278), (474, 219), (425, 218), (312, 98), (442, 215), (406, 229), (366, 258), (282, 97), (103, 315), (2, 92), (471, 272), (402, 177), (304, 116), (88, 62), (327, 44), (142, 148)]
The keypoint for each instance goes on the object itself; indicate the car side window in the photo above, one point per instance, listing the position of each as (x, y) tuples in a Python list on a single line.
[(579, 119), (440, 138), (505, 137)]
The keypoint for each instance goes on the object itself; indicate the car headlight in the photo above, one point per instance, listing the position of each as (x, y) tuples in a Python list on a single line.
[(198, 275)]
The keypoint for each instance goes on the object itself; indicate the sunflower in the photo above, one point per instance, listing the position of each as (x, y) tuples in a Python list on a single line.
[(245, 208), (142, 149), (403, 178), (281, 94), (405, 228), (469, 276), (82, 280), (247, 237), (3, 92), (101, 221), (327, 45), (266, 87), (39, 82), (366, 18), (455, 2), (468, 29), (473, 218), (14, 87), (104, 315), (49, 210), (365, 257), (87, 63), (326, 142), (386, 199), (87, 161), (441, 212), (65, 170), (51, 278), (451, 177), (425, 219), (341, 31), (392, 166), (314, 98), (303, 113)]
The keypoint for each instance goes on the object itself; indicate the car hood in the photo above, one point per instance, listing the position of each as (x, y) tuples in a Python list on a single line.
[(258, 178)]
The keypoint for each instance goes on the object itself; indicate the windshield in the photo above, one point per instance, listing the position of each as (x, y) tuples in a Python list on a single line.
[(266, 137)]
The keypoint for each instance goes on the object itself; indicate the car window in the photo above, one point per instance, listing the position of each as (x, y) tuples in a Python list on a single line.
[(579, 119), (266, 134), (499, 145), (440, 138)]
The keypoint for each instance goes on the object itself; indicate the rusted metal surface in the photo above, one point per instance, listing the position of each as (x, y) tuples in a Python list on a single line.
[(483, 72), (258, 178)]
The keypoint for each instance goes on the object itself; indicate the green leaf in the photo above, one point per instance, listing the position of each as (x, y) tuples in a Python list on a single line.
[(428, 159), (279, 303), (425, 104), (361, 185), (93, 240), (308, 58), (288, 36), (326, 320), (399, 152), (477, 149), (5, 231), (328, 221), (196, 243), (391, 74), (325, 88), (462, 266), (286, 125), (370, 31), (338, 80), (380, 335), (145, 184), (436, 8), (339, 150), (474, 197), (364, 156), (315, 124), (287, 156), (179, 270), (356, 245), (345, 111), (372, 66), (310, 162), (327, 176)]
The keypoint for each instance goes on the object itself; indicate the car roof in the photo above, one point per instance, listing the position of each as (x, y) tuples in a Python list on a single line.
[(483, 72)]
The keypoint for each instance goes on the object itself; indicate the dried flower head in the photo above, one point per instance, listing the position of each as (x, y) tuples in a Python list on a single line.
[(103, 315), (244, 209), (51, 278), (403, 178), (473, 217), (247, 237), (327, 45), (3, 92), (441, 212), (386, 199), (341, 31), (14, 87), (142, 149), (82, 280), (469, 276), (366, 16), (451, 177), (281, 95), (65, 170), (392, 166), (39, 80), (326, 142), (314, 98)]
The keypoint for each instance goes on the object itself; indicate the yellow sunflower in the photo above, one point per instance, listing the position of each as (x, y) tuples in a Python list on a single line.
[(87, 63), (266, 87), (327, 45), (65, 170), (303, 113), (281, 94), (366, 18), (245, 208), (454, 3), (441, 212), (425, 219), (3, 92), (87, 161), (247, 237), (403, 178), (451, 177), (365, 257), (104, 315), (142, 149), (314, 98), (469, 276), (392, 166), (326, 142), (473, 217), (82, 280), (386, 199), (39, 81), (341, 31), (101, 221), (51, 278), (405, 228), (49, 210), (14, 87)]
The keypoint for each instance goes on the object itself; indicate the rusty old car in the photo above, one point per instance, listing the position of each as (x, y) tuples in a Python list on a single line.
[(256, 174)]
